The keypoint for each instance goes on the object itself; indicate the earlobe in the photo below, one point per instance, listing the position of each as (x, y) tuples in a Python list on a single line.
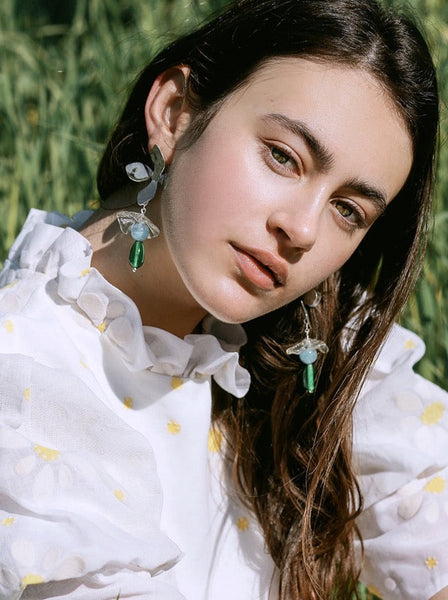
[(167, 114)]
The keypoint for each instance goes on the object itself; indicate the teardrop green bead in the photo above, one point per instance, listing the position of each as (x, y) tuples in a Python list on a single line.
[(137, 255), (308, 378)]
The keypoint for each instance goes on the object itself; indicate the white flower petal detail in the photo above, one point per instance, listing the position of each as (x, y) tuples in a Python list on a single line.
[(10, 439), (408, 401), (73, 566), (65, 477), (25, 465), (410, 506), (23, 551), (43, 487), (95, 305), (432, 512)]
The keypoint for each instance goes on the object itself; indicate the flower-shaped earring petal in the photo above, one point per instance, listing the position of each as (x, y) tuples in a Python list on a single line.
[(138, 172), (138, 225)]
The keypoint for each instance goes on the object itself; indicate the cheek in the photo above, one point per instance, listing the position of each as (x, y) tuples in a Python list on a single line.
[(336, 257), (210, 184), (192, 213), (330, 254)]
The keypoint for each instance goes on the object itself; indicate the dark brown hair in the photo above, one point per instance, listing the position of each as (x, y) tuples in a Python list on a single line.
[(291, 451)]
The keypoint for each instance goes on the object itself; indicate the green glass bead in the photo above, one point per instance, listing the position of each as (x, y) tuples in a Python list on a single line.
[(137, 255), (308, 378)]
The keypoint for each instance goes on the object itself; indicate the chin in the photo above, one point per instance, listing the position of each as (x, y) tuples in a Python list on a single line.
[(235, 313), (229, 302), (228, 316)]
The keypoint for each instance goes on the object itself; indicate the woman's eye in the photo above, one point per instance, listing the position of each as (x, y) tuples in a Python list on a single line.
[(351, 214), (344, 209), (280, 159), (280, 156)]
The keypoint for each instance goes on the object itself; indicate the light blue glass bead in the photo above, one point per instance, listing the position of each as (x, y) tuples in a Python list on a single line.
[(139, 232), (308, 356)]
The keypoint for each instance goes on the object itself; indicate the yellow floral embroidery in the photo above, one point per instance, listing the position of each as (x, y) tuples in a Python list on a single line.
[(173, 427), (31, 579), (409, 344), (436, 485), (176, 382), (84, 272), (214, 440), (119, 495), (102, 327), (27, 394), (83, 364), (8, 521), (9, 326), (46, 453), (128, 402), (242, 524), (432, 413), (431, 562)]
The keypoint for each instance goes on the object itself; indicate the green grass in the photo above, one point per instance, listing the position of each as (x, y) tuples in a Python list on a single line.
[(61, 87), (65, 70), (426, 313)]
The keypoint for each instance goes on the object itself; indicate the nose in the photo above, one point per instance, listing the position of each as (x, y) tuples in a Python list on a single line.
[(297, 228)]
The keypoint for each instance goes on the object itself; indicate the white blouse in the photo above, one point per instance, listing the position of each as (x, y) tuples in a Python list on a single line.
[(111, 479)]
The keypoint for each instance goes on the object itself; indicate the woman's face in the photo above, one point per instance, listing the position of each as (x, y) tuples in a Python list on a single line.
[(282, 186)]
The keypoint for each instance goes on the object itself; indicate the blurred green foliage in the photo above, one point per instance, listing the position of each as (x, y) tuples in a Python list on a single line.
[(65, 71), (426, 313)]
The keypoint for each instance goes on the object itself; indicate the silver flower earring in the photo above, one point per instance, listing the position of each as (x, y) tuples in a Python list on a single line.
[(137, 224), (307, 351)]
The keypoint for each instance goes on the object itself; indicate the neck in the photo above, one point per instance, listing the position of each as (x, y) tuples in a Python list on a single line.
[(156, 288)]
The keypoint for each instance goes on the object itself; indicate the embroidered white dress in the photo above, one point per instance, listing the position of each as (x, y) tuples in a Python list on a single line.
[(110, 477)]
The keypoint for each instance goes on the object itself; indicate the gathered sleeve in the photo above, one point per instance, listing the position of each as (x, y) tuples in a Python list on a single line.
[(80, 496), (401, 455)]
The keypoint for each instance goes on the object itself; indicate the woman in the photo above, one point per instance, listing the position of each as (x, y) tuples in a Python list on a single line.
[(285, 151)]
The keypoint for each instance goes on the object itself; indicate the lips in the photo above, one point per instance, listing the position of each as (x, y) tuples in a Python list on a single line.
[(261, 267)]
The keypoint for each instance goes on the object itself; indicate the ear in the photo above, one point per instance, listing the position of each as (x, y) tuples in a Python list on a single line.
[(167, 114)]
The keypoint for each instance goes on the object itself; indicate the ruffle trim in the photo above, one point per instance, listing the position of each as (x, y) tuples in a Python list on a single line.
[(50, 244)]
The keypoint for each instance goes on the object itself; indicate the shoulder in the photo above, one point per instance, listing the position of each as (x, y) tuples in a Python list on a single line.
[(401, 419), (401, 456), (400, 352), (29, 282)]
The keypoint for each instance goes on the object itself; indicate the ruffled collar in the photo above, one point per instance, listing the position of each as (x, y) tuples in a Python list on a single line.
[(49, 244)]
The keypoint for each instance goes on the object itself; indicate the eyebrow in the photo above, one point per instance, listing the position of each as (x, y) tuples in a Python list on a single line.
[(324, 159), (321, 155), (375, 195)]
